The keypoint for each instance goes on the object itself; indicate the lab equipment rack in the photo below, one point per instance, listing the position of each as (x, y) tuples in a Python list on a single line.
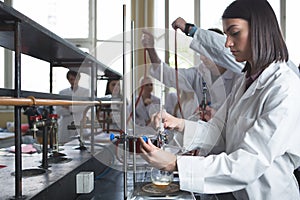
[(22, 35)]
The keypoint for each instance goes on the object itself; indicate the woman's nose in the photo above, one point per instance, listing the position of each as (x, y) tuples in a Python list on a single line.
[(228, 42)]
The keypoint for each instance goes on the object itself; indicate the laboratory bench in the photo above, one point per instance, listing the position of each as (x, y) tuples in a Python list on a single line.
[(58, 181)]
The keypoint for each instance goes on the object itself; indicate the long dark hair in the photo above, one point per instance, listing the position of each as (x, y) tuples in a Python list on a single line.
[(267, 42), (107, 91)]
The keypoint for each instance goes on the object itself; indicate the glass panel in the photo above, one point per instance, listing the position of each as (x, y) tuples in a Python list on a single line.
[(110, 21), (66, 18)]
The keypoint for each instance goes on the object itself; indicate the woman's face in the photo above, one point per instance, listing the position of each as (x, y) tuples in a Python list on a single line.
[(114, 87), (148, 85), (238, 38)]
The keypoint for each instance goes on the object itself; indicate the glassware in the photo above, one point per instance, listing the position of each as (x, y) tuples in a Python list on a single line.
[(161, 179)]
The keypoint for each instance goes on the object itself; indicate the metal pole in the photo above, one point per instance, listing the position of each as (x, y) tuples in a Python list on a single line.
[(167, 54), (93, 79), (45, 147), (51, 78), (133, 101), (31, 101), (283, 17), (18, 136), (124, 103)]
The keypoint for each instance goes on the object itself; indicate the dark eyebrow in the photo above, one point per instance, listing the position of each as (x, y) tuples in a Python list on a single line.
[(230, 27)]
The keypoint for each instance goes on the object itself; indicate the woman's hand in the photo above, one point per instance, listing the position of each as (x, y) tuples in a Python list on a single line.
[(207, 114), (170, 122), (179, 23), (147, 40), (157, 157)]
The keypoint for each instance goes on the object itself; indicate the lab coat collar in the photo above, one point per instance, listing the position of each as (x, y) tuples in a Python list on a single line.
[(264, 79), (228, 74)]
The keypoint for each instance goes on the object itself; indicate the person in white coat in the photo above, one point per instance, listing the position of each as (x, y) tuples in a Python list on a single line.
[(190, 79), (71, 114), (147, 104), (257, 127)]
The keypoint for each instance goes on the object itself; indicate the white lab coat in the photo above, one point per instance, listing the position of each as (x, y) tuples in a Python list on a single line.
[(190, 78), (143, 113), (258, 131), (73, 114), (170, 102)]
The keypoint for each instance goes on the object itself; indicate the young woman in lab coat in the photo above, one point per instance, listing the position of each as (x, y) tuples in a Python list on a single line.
[(258, 125)]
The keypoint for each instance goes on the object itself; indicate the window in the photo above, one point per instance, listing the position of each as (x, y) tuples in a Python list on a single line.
[(35, 74), (110, 18), (292, 30), (66, 18), (110, 36), (66, 23), (184, 53), (211, 12)]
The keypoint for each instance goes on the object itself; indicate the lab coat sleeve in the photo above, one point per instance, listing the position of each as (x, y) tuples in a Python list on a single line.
[(293, 67), (212, 46), (206, 136), (186, 77), (273, 134)]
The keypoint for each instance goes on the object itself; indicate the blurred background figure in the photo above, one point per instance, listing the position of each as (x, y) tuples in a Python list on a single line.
[(70, 114), (147, 103)]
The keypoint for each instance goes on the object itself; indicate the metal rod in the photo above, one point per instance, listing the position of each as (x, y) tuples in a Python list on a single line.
[(51, 78), (133, 107), (51, 138), (45, 147), (31, 101), (18, 135), (124, 103), (93, 77)]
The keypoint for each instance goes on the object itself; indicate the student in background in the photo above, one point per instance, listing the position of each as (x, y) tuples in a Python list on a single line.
[(148, 103), (70, 114)]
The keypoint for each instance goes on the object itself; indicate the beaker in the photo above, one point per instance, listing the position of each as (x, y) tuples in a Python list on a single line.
[(161, 179)]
